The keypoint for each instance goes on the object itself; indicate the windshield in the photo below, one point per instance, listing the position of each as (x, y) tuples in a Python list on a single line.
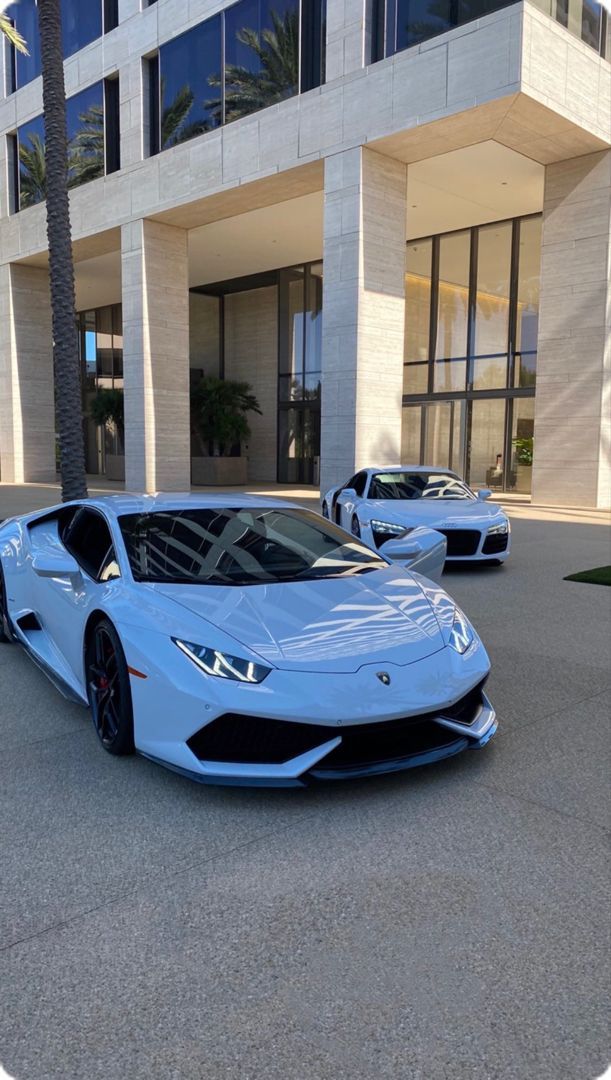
[(236, 546), (418, 485)]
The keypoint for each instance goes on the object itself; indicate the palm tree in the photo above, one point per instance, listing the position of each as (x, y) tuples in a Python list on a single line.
[(86, 151), (277, 51), (66, 361), (51, 176)]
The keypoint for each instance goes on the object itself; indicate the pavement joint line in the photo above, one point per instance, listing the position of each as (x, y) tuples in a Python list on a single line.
[(159, 875), (517, 726), (603, 829)]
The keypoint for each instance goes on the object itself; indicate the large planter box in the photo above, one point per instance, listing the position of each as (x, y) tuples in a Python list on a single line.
[(219, 471), (115, 467)]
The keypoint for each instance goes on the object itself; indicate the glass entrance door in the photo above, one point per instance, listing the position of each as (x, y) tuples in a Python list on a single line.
[(444, 435), (299, 444)]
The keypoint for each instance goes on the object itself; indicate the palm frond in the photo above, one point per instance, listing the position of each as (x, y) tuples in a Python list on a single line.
[(11, 32)]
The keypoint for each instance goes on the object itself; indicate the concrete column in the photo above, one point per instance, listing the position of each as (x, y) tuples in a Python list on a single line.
[(27, 411), (363, 312), (572, 461), (154, 267)]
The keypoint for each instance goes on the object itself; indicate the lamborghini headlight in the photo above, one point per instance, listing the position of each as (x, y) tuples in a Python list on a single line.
[(221, 664), (501, 527), (461, 634), (388, 528)]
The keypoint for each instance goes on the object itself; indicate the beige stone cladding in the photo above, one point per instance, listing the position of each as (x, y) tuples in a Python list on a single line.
[(573, 404)]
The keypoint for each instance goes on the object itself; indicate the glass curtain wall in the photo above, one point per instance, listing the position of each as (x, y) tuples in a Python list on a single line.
[(399, 24), (93, 143), (82, 22), (252, 54), (471, 315), (101, 350)]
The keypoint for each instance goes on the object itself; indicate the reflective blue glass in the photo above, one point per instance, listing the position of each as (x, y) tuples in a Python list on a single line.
[(190, 79), (32, 167), (81, 23), (418, 20), (261, 55), (25, 17), (85, 124)]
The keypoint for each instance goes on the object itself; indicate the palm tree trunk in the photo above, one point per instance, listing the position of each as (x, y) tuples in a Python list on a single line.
[(66, 363)]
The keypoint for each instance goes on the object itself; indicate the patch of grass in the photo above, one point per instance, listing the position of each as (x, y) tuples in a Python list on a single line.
[(601, 575)]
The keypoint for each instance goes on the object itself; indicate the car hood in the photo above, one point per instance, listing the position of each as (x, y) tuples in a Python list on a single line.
[(325, 625), (435, 513)]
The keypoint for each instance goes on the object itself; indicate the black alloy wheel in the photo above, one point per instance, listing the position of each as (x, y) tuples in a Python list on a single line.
[(355, 527), (5, 627), (108, 689)]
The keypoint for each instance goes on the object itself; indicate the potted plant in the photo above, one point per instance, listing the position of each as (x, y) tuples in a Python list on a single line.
[(524, 460), (219, 425), (106, 409)]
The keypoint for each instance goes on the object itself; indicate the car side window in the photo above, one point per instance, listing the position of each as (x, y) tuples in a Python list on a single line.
[(359, 483), (88, 539)]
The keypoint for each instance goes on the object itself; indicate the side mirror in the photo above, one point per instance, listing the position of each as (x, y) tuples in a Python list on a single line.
[(484, 493), (401, 548), (49, 564), (350, 492)]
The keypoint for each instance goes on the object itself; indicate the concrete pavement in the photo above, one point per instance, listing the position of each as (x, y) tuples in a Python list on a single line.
[(449, 922)]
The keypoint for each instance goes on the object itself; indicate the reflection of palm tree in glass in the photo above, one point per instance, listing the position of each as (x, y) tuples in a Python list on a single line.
[(32, 172), (173, 117), (277, 51), (86, 149)]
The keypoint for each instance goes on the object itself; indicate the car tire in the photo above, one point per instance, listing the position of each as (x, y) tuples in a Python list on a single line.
[(325, 510), (6, 635), (108, 689), (355, 526)]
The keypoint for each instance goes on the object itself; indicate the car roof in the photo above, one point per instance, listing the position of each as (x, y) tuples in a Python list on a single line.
[(412, 468), (126, 503)]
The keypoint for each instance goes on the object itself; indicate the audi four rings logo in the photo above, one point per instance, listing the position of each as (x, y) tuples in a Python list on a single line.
[(384, 677)]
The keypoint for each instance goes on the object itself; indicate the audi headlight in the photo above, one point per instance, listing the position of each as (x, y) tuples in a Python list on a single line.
[(388, 528), (461, 634), (502, 527), (221, 664)]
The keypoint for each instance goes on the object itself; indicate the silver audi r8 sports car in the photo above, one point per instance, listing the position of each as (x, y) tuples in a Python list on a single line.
[(379, 503), (242, 641)]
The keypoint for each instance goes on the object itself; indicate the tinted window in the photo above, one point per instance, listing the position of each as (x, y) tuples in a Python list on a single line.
[(86, 139), (88, 539), (418, 485), (190, 78), (359, 483), (240, 547), (261, 55), (81, 24)]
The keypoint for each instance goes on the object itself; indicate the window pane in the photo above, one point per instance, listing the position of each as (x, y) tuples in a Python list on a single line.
[(453, 295), (104, 346), (417, 300), (261, 54), (415, 378), (421, 19), (487, 440), (522, 446), (25, 17), (450, 375), (85, 120), (81, 23), (526, 369), (438, 420), (32, 167), (492, 297), (190, 79), (313, 320), (527, 321), (490, 373), (410, 435), (591, 20)]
